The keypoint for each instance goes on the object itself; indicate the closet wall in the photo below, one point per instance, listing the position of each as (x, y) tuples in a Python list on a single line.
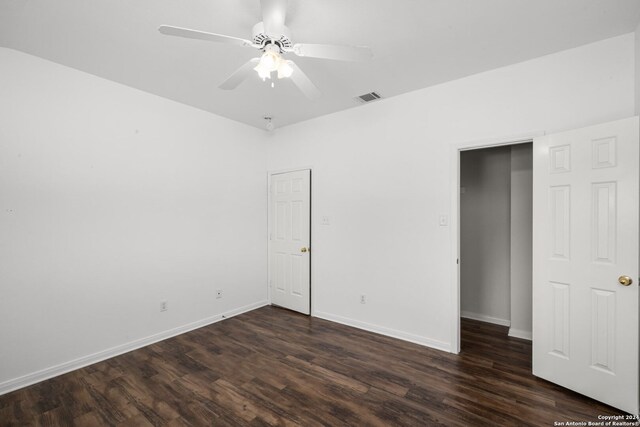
[(485, 240), (495, 239)]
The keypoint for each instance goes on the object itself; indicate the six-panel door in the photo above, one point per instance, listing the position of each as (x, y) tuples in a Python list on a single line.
[(289, 250), (585, 323)]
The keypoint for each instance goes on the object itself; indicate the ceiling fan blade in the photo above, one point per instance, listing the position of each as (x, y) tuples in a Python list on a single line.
[(274, 13), (202, 35), (305, 85), (240, 75), (339, 53)]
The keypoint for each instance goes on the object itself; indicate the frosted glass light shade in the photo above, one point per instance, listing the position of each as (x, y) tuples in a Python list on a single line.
[(268, 63), (284, 69)]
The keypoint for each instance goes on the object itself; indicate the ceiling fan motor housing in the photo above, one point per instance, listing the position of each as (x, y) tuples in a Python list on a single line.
[(282, 41)]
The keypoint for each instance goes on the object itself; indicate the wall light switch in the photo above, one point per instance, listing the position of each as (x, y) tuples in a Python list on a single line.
[(325, 220), (443, 220)]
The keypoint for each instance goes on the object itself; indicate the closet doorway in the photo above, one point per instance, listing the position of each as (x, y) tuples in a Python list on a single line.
[(496, 237)]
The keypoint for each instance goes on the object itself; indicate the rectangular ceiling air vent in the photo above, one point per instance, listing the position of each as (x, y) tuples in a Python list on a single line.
[(368, 97)]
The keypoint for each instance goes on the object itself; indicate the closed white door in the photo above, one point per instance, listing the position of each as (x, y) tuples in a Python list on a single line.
[(289, 237), (585, 253)]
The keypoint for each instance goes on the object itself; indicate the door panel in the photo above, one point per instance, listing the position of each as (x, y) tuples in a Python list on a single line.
[(585, 323), (289, 240)]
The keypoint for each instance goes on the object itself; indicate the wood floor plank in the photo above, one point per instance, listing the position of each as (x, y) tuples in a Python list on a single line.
[(273, 367)]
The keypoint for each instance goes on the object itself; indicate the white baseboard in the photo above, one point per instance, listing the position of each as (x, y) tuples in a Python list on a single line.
[(519, 333), (72, 365), (485, 318), (416, 339)]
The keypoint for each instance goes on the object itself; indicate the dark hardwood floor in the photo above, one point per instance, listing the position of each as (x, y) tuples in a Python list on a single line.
[(275, 367)]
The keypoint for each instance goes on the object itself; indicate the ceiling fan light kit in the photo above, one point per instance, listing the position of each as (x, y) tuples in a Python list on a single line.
[(273, 38), (271, 61)]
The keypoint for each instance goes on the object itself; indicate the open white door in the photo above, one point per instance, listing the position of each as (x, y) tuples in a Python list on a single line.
[(585, 247), (289, 252)]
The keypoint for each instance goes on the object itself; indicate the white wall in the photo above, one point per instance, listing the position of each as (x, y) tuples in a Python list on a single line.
[(637, 68), (521, 240), (113, 200), (382, 172), (485, 234)]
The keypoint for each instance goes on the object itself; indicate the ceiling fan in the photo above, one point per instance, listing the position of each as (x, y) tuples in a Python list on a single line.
[(273, 39)]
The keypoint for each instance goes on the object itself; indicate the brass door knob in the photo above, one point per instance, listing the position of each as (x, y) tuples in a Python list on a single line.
[(625, 280), (303, 250)]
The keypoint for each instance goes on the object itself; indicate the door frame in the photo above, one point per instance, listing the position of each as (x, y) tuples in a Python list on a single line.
[(311, 232), (456, 150)]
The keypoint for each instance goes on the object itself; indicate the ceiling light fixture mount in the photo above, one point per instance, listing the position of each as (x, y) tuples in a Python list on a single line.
[(269, 126)]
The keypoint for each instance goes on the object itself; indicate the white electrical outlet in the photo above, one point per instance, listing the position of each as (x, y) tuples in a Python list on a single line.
[(363, 299), (326, 220), (164, 306), (219, 294)]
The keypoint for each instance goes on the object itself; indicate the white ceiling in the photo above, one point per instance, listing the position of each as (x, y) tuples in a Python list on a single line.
[(416, 43)]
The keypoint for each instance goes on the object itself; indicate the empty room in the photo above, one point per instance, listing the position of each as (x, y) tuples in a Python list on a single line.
[(297, 212)]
